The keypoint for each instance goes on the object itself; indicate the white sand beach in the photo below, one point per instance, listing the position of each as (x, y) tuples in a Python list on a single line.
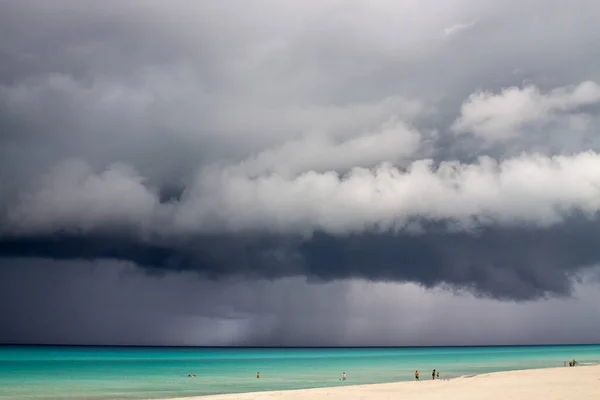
[(581, 383)]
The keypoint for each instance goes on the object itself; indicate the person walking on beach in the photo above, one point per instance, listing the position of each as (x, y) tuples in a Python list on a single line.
[(433, 374), (417, 375)]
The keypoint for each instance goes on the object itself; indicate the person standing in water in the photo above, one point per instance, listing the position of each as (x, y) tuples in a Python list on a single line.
[(257, 375), (417, 375), (343, 376), (437, 375), (433, 374)]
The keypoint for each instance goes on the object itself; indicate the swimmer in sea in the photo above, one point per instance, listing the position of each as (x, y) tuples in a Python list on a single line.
[(257, 375)]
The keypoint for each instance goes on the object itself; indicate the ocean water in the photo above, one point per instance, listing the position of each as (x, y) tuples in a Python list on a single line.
[(54, 372)]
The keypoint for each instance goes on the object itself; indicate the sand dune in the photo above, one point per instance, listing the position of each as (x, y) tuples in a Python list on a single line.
[(544, 384)]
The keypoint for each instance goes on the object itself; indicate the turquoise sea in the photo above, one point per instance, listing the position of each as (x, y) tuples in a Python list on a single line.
[(55, 372)]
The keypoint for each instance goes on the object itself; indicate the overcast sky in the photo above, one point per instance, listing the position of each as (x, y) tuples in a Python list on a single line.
[(300, 172)]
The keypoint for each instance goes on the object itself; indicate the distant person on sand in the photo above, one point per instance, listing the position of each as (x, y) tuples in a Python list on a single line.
[(343, 376), (417, 375), (433, 374), (257, 375)]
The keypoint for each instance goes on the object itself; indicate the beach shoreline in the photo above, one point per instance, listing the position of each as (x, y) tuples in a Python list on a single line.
[(581, 382), (145, 373)]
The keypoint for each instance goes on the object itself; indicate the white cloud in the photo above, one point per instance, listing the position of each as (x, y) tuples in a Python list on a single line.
[(502, 116), (454, 29), (394, 142), (71, 196), (532, 189)]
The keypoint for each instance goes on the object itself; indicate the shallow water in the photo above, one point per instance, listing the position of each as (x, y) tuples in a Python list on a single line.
[(54, 372)]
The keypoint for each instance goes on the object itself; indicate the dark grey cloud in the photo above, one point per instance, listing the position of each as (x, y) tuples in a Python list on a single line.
[(520, 263), (319, 141)]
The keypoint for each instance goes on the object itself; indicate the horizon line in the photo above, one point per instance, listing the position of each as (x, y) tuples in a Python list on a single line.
[(289, 347)]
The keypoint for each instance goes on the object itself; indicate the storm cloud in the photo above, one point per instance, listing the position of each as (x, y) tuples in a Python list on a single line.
[(325, 142)]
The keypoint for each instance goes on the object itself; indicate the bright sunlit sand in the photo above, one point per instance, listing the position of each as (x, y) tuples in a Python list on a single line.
[(538, 384)]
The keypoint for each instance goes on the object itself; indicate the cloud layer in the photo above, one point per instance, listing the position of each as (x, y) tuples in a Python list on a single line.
[(502, 116), (327, 141), (533, 189)]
